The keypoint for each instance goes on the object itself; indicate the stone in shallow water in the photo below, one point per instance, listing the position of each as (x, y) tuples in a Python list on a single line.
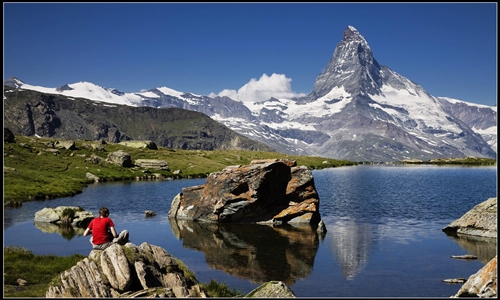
[(265, 191)]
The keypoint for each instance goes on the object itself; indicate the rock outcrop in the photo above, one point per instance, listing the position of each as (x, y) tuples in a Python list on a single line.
[(69, 144), (120, 158), (480, 221), (140, 144), (271, 289), (127, 271), (8, 136), (483, 284), (146, 271), (70, 215), (266, 191)]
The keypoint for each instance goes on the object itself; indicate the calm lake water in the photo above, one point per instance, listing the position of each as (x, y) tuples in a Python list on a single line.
[(383, 238)]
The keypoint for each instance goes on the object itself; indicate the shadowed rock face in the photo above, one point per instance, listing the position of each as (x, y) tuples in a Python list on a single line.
[(266, 191)]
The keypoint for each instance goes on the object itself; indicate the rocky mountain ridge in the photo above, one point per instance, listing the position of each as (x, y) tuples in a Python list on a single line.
[(33, 113), (358, 110)]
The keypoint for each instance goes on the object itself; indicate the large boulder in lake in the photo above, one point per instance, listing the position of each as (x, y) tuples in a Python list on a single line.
[(127, 271), (265, 191), (70, 215), (480, 221)]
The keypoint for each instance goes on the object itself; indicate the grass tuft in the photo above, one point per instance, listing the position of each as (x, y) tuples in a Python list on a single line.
[(38, 271), (214, 289)]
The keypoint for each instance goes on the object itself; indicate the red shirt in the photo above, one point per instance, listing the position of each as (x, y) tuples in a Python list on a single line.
[(100, 230)]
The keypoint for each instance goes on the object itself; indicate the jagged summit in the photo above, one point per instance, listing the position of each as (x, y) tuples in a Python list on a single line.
[(352, 67), (351, 34)]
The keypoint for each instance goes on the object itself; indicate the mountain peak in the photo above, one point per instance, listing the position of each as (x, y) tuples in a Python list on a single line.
[(352, 67)]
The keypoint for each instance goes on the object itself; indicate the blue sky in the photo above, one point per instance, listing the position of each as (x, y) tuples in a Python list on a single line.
[(449, 49)]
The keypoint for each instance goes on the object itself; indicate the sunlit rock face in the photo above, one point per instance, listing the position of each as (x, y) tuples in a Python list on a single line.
[(126, 271), (482, 284), (265, 191), (480, 221), (352, 67)]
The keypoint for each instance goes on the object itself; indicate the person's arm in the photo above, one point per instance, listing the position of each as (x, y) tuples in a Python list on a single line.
[(113, 231), (87, 232)]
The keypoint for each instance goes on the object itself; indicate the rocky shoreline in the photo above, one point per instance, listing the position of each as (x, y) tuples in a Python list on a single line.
[(479, 223)]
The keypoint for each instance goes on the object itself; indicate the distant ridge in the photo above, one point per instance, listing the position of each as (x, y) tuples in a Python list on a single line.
[(358, 110)]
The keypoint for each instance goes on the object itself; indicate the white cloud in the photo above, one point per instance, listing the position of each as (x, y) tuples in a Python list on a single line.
[(276, 85)]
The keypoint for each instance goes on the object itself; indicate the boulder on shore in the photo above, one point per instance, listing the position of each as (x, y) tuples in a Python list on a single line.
[(480, 221), (127, 271), (482, 284), (265, 191)]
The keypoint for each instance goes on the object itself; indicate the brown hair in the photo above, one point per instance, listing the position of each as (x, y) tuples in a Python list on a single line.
[(103, 212)]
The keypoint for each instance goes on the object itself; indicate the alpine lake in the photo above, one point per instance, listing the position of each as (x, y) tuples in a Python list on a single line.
[(384, 233)]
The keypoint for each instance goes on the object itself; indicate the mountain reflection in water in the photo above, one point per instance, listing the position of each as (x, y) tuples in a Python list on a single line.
[(259, 253), (351, 244)]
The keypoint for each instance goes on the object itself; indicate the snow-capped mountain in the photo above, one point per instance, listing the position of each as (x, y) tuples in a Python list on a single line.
[(358, 110)]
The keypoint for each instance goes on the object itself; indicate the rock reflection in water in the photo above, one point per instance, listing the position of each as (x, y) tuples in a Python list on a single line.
[(67, 232), (351, 245), (259, 253), (484, 248)]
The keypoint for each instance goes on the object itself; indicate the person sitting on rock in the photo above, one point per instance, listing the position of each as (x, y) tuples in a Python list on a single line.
[(103, 231)]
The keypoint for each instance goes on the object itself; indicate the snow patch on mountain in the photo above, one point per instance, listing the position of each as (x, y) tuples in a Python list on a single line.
[(457, 101), (425, 110)]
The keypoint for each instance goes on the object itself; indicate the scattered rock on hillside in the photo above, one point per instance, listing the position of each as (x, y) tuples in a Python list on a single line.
[(152, 164), (140, 144), (120, 158), (8, 136), (70, 145)]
